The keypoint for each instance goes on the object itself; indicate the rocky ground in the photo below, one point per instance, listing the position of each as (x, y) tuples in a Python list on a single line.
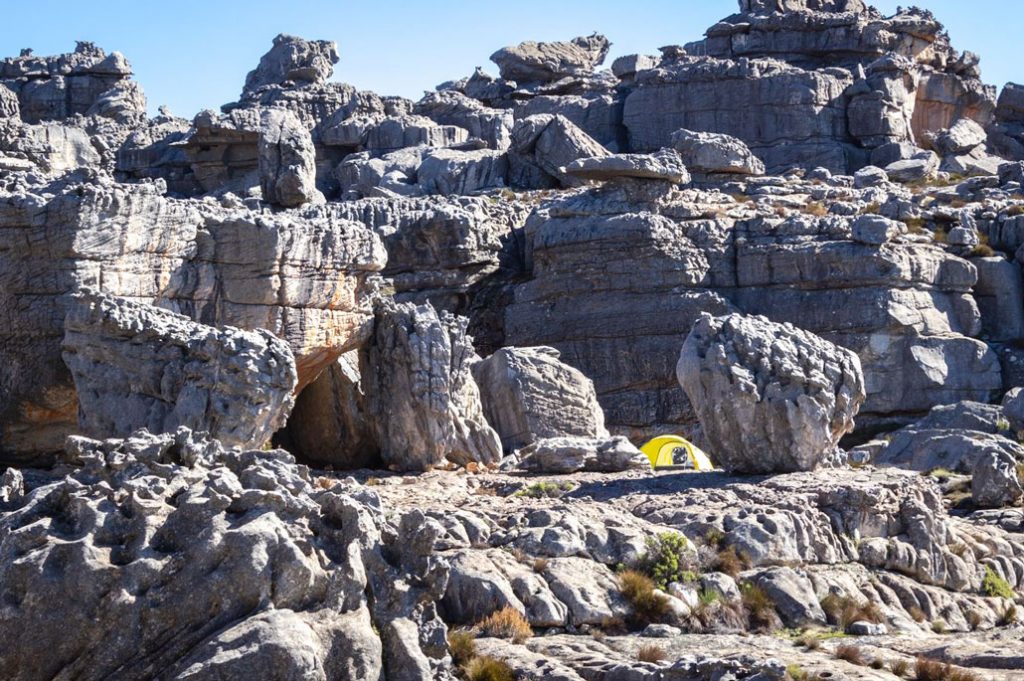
[(332, 385)]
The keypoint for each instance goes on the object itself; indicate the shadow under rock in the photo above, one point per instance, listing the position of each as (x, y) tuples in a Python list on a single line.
[(658, 484)]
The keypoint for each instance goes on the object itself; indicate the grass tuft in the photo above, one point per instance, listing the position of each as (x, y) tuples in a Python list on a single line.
[(486, 668), (651, 653), (506, 623), (648, 605), (852, 654)]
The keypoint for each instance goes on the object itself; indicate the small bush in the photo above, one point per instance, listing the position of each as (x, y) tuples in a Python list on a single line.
[(506, 623), (817, 209), (540, 565), (899, 667), (707, 597), (667, 559), (871, 209), (915, 225), (648, 605), (487, 668), (982, 251), (939, 627), (1008, 616), (759, 607), (995, 586), (714, 538), (940, 236), (462, 645), (975, 620), (851, 654), (877, 663), (917, 614), (651, 653)]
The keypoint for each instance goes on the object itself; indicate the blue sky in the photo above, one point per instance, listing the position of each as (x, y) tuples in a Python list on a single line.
[(192, 54)]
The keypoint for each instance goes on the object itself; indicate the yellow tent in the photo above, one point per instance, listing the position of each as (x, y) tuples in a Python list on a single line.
[(672, 450)]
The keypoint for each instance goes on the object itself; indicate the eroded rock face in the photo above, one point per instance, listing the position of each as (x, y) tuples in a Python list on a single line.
[(770, 398), (270, 576), (528, 394), (206, 261), (420, 394), (705, 153), (136, 366)]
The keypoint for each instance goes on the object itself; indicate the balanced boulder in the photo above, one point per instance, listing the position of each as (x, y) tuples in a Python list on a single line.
[(771, 398)]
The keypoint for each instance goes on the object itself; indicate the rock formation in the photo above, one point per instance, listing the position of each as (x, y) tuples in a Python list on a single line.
[(770, 398)]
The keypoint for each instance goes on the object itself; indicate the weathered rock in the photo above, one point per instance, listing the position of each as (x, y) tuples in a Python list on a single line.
[(920, 167), (418, 382), (532, 62), (996, 482), (875, 230), (528, 394), (666, 165), (961, 138), (493, 126), (293, 59), (461, 173), (247, 570), (793, 596), (9, 106), (52, 148), (1013, 408), (544, 144), (958, 450), (561, 455), (771, 398), (287, 161), (705, 152), (136, 366)]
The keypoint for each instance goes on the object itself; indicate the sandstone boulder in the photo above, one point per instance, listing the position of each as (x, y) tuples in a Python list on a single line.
[(528, 394), (665, 165), (136, 366), (771, 398)]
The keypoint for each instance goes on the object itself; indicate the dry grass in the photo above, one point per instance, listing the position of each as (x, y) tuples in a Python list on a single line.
[(462, 645), (487, 668), (852, 654), (729, 561), (648, 605), (899, 667), (817, 209), (809, 640), (651, 653), (1008, 616), (540, 565), (917, 614), (843, 611), (506, 623), (975, 620), (933, 670), (759, 607)]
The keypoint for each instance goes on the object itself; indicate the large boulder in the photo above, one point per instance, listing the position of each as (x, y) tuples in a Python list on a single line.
[(293, 59), (529, 394), (420, 394), (137, 366), (996, 481), (771, 398), (532, 62), (542, 146), (665, 165), (563, 455), (287, 161)]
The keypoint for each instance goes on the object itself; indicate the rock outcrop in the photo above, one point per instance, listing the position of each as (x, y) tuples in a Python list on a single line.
[(532, 62), (139, 367), (770, 398)]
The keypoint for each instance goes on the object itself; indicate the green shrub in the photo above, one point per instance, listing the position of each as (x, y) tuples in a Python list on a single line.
[(995, 586), (668, 559)]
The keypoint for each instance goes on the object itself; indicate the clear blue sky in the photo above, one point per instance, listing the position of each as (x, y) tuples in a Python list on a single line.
[(192, 54)]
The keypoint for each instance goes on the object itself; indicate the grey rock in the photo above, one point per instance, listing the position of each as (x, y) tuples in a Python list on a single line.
[(995, 482), (394, 133), (449, 171), (666, 165), (870, 176), (493, 126), (956, 450), (293, 59), (793, 596), (528, 394), (136, 366), (12, 486), (862, 628), (1013, 408), (660, 631), (562, 455), (287, 161), (875, 230), (960, 138), (920, 167), (999, 293), (770, 397), (544, 144), (705, 152), (532, 62), (419, 388), (53, 148), (9, 106)]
